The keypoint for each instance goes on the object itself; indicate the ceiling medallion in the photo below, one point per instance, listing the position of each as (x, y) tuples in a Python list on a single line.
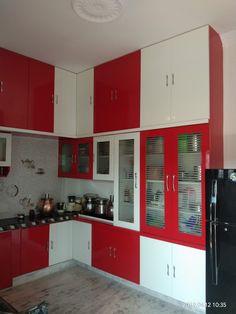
[(99, 11)]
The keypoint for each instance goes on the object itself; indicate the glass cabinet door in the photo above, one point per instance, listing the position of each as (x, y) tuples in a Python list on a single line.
[(66, 158), (83, 158), (103, 160), (155, 213), (189, 184)]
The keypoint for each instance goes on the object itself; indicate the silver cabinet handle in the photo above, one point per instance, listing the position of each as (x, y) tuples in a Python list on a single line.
[(114, 252), (173, 183), (110, 249), (174, 271), (1, 86), (173, 78), (88, 245), (51, 245), (167, 80), (135, 180), (57, 99), (90, 100), (168, 270), (167, 184)]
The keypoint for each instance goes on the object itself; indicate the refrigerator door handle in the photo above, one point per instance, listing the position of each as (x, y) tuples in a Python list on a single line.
[(213, 213), (213, 253)]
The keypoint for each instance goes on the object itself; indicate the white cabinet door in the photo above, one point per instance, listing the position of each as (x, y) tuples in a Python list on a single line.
[(81, 239), (155, 84), (60, 242), (65, 103), (126, 183), (190, 81), (103, 165), (155, 265), (188, 274), (85, 103)]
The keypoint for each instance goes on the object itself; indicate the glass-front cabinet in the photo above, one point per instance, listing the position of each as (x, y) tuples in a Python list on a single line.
[(103, 158), (126, 181), (5, 149), (76, 158), (173, 163)]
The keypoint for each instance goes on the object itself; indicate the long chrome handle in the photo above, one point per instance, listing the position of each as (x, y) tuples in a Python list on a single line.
[(173, 78), (213, 204), (110, 251), (51, 245), (57, 99), (173, 183), (135, 180), (1, 86), (90, 100), (167, 183), (88, 245), (174, 271), (114, 252), (168, 269), (213, 253), (167, 80)]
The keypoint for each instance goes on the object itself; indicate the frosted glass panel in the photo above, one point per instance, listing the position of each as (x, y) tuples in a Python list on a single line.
[(66, 158), (103, 157), (3, 146), (126, 180), (83, 162), (155, 214), (189, 173)]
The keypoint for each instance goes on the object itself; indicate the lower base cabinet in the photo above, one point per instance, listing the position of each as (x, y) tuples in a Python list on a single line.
[(173, 270), (116, 251), (81, 241), (34, 248), (60, 242), (5, 260)]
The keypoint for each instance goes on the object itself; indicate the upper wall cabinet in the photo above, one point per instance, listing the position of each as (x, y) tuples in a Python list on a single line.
[(65, 103), (41, 96), (117, 94), (13, 89), (175, 85), (85, 102)]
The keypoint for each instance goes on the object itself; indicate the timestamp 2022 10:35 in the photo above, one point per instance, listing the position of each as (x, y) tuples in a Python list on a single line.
[(202, 305)]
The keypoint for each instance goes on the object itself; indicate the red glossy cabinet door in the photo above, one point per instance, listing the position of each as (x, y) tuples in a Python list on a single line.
[(34, 248), (117, 94), (5, 260), (116, 251), (41, 94), (13, 89), (16, 252)]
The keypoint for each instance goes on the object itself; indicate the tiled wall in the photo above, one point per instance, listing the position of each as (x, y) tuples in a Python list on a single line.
[(43, 152)]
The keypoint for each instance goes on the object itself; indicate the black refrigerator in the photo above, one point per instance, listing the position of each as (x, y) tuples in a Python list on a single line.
[(221, 241)]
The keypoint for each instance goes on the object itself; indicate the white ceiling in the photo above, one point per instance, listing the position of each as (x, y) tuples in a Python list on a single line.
[(49, 30)]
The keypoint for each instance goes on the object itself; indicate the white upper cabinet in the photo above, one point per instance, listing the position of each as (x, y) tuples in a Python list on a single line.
[(85, 103), (65, 103), (175, 80), (103, 164)]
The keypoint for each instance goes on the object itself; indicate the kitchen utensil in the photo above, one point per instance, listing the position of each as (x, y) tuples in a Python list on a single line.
[(101, 206), (109, 212), (71, 199), (31, 214), (20, 216), (46, 206)]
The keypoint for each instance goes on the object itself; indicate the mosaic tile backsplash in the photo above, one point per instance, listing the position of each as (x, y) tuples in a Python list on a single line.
[(33, 173)]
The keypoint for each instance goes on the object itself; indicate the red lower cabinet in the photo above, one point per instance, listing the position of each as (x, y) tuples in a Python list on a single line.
[(16, 252), (116, 250), (34, 248), (5, 260)]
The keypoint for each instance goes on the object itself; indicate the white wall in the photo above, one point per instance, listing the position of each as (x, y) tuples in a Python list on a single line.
[(229, 44)]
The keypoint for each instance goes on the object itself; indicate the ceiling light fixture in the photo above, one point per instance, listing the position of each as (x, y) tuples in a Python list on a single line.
[(99, 11)]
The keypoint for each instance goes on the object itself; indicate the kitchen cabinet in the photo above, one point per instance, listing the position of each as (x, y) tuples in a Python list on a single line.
[(5, 260), (60, 242), (5, 149), (117, 94), (13, 89), (126, 180), (82, 242), (103, 165), (65, 103), (173, 163), (85, 91), (178, 79), (173, 270), (76, 158), (41, 96), (116, 251), (16, 252), (34, 248)]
